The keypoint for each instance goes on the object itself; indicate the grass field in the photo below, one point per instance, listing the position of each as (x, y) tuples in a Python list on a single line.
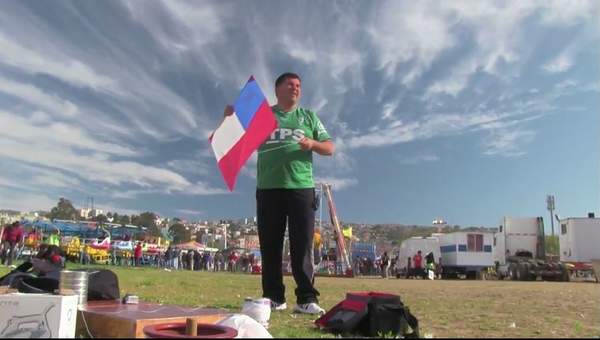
[(444, 308)]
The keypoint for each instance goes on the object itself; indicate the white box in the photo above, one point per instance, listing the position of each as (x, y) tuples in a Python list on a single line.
[(37, 316)]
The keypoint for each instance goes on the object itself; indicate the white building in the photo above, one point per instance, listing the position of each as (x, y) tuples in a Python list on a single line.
[(86, 213)]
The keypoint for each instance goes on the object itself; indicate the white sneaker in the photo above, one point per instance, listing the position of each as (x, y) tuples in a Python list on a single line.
[(309, 308), (278, 306)]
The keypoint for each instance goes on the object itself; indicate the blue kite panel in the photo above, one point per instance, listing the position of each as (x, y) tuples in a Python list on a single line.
[(248, 103)]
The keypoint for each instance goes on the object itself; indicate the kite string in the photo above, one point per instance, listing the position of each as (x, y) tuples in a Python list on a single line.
[(278, 147)]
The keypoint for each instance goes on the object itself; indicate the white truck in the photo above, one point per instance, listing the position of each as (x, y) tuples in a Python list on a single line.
[(579, 242), (520, 252), (466, 253)]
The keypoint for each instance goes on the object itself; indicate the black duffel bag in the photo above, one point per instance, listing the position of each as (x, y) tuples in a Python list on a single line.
[(372, 314), (388, 316), (103, 284), (42, 275)]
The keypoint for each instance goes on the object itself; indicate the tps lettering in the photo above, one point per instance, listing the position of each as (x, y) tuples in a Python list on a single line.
[(283, 134)]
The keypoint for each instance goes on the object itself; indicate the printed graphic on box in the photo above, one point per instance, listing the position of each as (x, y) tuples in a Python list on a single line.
[(28, 326)]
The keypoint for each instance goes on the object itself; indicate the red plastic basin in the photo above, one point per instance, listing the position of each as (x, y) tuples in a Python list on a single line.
[(176, 330)]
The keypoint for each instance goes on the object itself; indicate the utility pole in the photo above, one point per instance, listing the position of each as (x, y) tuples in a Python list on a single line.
[(224, 236), (550, 204)]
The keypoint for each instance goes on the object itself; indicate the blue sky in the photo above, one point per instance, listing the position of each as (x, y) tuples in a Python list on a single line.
[(466, 111)]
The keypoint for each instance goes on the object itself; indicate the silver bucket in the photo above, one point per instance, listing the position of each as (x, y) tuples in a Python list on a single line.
[(74, 283)]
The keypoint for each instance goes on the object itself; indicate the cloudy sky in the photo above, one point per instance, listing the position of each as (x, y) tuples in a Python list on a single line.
[(465, 111)]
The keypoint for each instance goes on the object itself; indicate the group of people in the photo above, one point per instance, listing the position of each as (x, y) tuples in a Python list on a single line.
[(186, 259), (385, 265), (191, 259), (416, 268), (13, 237), (366, 266)]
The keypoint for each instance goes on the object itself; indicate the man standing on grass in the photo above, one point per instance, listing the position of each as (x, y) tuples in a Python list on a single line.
[(12, 239), (418, 264), (285, 195)]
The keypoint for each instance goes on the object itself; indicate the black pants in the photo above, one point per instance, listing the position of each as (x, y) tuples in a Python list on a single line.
[(8, 252), (297, 207)]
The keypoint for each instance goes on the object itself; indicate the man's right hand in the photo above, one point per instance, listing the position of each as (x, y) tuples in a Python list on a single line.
[(228, 110)]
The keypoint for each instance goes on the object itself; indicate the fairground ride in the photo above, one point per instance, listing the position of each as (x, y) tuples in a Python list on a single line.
[(342, 265)]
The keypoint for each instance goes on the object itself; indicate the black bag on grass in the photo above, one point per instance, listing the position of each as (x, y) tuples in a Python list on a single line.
[(373, 314), (103, 284), (343, 317), (387, 316)]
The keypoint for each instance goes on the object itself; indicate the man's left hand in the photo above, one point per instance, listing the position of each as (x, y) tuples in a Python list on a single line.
[(306, 144)]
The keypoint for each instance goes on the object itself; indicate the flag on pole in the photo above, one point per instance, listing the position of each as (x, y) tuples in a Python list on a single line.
[(347, 232), (241, 133)]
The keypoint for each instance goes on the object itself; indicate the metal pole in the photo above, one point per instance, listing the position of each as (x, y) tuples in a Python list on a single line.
[(338, 231), (321, 207), (552, 221), (550, 202)]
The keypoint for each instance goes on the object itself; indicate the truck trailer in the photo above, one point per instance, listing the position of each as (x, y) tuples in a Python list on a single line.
[(579, 243), (520, 252), (466, 253)]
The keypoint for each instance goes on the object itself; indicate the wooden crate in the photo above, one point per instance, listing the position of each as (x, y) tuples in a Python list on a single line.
[(112, 319)]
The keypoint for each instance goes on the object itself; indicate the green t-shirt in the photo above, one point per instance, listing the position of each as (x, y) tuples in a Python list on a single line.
[(281, 162)]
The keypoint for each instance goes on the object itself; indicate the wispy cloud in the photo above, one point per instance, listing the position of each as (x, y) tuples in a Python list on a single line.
[(419, 159), (34, 95), (54, 64), (190, 212), (568, 12), (194, 166), (425, 32), (565, 84), (497, 33), (124, 110), (561, 64), (338, 183), (507, 142), (428, 127), (59, 134)]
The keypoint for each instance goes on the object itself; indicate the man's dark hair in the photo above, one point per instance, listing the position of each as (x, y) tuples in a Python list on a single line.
[(285, 76)]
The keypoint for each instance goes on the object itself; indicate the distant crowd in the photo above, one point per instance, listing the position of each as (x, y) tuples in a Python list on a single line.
[(173, 258), (386, 266), (13, 238), (186, 259)]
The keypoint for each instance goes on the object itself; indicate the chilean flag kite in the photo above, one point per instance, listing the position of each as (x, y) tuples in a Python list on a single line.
[(241, 133)]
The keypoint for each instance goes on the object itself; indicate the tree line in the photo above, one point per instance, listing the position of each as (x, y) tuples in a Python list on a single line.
[(64, 210)]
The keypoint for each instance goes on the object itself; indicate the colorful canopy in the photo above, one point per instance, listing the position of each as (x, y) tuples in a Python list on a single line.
[(194, 245)]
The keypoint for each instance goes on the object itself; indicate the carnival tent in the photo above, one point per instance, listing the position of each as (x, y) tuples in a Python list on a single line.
[(194, 245)]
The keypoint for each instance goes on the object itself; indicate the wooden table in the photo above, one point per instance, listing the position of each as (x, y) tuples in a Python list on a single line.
[(112, 319)]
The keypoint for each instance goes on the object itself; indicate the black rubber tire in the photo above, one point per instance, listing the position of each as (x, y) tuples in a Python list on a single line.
[(522, 271), (566, 275), (512, 271), (529, 274)]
